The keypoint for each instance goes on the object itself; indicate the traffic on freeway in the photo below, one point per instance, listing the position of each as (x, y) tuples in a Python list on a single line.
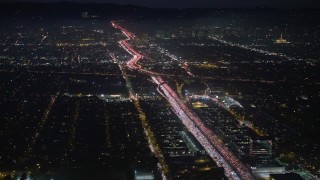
[(234, 168)]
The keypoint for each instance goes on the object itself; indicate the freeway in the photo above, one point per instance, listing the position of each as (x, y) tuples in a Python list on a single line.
[(153, 145), (234, 168)]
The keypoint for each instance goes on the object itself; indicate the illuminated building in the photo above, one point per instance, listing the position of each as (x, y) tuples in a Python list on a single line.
[(261, 149), (281, 40)]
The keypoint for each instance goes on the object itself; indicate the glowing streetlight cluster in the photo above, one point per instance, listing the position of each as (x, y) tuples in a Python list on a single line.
[(43, 120)]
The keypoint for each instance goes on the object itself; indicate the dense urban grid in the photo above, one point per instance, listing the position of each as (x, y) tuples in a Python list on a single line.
[(138, 93)]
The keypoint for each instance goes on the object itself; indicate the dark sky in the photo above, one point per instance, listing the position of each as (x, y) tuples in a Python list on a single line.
[(202, 3)]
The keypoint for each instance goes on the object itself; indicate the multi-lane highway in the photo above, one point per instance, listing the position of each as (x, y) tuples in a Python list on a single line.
[(234, 168)]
